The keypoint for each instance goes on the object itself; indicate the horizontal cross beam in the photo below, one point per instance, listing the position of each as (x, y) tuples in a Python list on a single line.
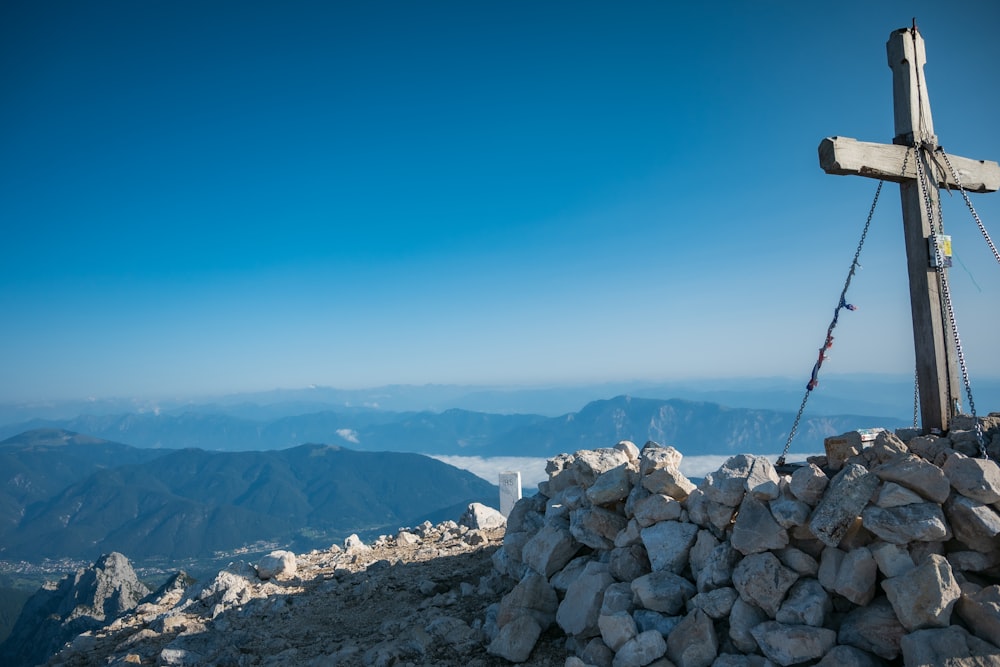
[(846, 156)]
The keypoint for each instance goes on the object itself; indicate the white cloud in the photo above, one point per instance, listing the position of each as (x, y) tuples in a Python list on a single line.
[(532, 469), (348, 434)]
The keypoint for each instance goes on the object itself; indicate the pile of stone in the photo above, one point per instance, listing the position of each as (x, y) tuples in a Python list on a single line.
[(880, 552)]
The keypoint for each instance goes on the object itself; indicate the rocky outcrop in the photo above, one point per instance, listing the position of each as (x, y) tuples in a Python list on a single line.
[(416, 597), (78, 603), (886, 551)]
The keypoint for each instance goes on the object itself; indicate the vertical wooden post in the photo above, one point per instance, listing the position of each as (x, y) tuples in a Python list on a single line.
[(933, 343)]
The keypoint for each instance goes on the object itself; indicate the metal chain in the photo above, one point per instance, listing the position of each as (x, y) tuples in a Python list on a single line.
[(968, 202), (946, 297), (916, 395), (828, 342)]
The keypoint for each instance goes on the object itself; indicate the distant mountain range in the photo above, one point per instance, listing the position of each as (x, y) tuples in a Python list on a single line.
[(865, 394), (67, 495), (691, 426)]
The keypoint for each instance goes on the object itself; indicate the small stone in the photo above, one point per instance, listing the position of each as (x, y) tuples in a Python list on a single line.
[(808, 484), (894, 495), (693, 643), (668, 544), (580, 609), (916, 474), (925, 596), (849, 492), (873, 628), (742, 620), (981, 612), (655, 508), (516, 640), (717, 603), (856, 576), (549, 550), (641, 650), (277, 565), (762, 580), (892, 559), (793, 644), (482, 517), (848, 656), (610, 486), (807, 603), (755, 529), (920, 522), (978, 479), (663, 591), (976, 525)]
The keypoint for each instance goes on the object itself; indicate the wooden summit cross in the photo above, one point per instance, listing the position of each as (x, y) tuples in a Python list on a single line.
[(934, 344)]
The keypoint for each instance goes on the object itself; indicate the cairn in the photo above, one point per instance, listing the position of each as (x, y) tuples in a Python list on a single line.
[(880, 551)]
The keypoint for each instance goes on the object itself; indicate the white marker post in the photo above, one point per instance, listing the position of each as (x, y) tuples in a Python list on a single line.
[(510, 491)]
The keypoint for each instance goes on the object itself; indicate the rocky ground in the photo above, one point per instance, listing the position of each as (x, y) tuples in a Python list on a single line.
[(417, 598)]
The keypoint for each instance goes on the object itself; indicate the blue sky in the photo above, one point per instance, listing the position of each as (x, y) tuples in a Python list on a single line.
[(227, 196)]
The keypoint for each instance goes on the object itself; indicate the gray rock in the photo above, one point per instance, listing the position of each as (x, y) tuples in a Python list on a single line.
[(788, 511), (807, 603), (580, 609), (920, 522), (848, 656), (631, 451), (616, 628), (277, 565), (78, 603), (549, 550), (925, 596), (668, 544), (699, 553), (793, 644), (534, 596), (974, 478), (892, 559), (755, 530), (516, 640), (647, 619), (632, 534), (610, 486), (981, 612), (856, 576), (655, 457), (588, 464), (596, 527), (849, 492), (742, 620), (716, 603), (717, 571), (693, 643), (762, 479), (668, 481), (874, 629), (597, 654), (799, 561), (916, 474), (727, 485), (655, 508), (808, 483), (948, 646), (894, 495), (628, 563), (663, 591), (527, 514), (975, 525), (641, 650), (762, 580), (482, 517)]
